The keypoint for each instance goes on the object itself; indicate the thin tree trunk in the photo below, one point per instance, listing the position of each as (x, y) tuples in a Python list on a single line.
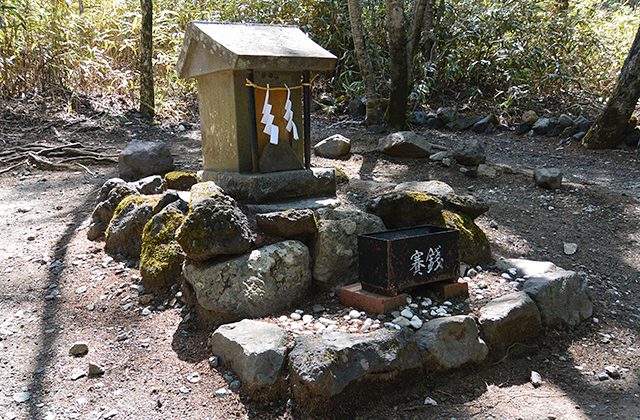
[(147, 103), (397, 110), (415, 33), (364, 63), (607, 132)]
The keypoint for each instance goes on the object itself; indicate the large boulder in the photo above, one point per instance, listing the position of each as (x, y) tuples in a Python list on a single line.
[(252, 285), (333, 147), (180, 180), (214, 226), (451, 342), (509, 319), (256, 351), (336, 246), (473, 243), (405, 144), (144, 158), (202, 191), (124, 233), (406, 208), (111, 194), (322, 366), (289, 223), (562, 297), (161, 256), (447, 114)]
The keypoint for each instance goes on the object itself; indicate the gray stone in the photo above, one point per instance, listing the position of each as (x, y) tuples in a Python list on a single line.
[(486, 170), (562, 297), (469, 152), (433, 122), (463, 123), (289, 223), (486, 124), (78, 373), (111, 194), (439, 189), (405, 144), (357, 107), (612, 371), (578, 136), (203, 191), (21, 397), (522, 128), (296, 204), (333, 146), (582, 123), (322, 366), (542, 126), (570, 248), (509, 319), (335, 258), (79, 349), (215, 226), (420, 117), (467, 204), (549, 178), (451, 342), (447, 114), (143, 158), (405, 208), (153, 184), (256, 284), (565, 121), (529, 118), (366, 186), (274, 186), (440, 156), (124, 233), (255, 350), (526, 268), (568, 132)]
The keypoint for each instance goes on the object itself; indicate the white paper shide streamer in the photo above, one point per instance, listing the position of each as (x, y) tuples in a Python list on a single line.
[(270, 128), (288, 115)]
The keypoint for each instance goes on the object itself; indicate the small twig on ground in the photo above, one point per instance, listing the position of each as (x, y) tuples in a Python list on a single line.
[(84, 167), (509, 349)]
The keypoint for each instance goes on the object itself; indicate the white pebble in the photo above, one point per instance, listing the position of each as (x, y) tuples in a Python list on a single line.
[(307, 319), (295, 316), (406, 313), (416, 322), (353, 314)]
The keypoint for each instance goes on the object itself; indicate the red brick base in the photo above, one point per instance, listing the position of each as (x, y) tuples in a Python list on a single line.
[(353, 295), (451, 290)]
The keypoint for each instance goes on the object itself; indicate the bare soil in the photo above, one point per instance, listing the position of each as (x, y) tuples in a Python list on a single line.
[(59, 288)]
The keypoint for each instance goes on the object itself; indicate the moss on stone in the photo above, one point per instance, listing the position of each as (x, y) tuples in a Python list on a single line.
[(161, 256), (180, 180), (473, 243), (341, 176), (127, 204), (420, 197)]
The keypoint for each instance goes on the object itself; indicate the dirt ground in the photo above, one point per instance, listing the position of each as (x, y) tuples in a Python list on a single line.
[(58, 288)]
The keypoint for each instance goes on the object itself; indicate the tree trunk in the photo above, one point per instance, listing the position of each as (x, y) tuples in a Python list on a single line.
[(147, 103), (415, 33), (374, 116), (607, 132), (395, 22)]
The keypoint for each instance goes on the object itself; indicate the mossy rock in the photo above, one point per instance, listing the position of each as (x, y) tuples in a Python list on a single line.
[(473, 243), (214, 226), (124, 233), (202, 191), (406, 208), (161, 257), (341, 176), (180, 180)]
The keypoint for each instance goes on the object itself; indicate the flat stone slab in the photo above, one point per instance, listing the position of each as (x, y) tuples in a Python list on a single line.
[(255, 350), (322, 366), (275, 186), (509, 319), (299, 204), (526, 268)]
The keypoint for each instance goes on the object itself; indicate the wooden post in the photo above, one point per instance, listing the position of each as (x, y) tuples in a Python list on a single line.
[(306, 89), (255, 158)]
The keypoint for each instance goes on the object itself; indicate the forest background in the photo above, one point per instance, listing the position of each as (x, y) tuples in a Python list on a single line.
[(503, 56)]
